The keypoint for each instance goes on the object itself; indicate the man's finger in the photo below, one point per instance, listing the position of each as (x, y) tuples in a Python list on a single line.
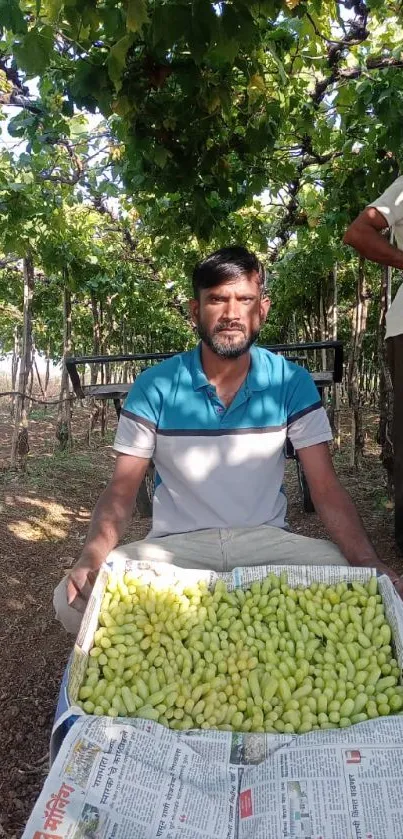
[(80, 583), (72, 590), (92, 576), (86, 590), (79, 604), (75, 587), (399, 587)]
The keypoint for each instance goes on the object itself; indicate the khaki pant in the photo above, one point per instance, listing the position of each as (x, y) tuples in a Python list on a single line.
[(218, 549)]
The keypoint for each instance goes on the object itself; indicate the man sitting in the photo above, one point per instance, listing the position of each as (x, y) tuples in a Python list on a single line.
[(215, 421)]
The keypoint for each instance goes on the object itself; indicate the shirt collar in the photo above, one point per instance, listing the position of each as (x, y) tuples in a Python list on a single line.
[(257, 378), (199, 377)]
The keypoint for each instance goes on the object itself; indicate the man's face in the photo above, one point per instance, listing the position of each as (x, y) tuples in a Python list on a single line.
[(229, 316)]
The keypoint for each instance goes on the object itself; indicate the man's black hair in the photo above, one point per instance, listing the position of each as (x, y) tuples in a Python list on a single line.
[(226, 264)]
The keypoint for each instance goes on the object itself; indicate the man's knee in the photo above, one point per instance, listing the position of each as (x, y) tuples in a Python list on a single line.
[(70, 618), (267, 545), (306, 550)]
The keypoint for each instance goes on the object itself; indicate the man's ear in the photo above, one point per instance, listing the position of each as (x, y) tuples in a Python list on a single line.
[(265, 304), (194, 310)]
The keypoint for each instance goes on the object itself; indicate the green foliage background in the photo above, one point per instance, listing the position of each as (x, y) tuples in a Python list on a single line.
[(147, 133)]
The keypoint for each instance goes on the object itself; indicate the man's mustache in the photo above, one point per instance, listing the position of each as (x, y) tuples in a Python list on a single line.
[(229, 325)]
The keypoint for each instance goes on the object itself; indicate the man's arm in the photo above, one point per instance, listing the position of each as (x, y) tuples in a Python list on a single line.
[(338, 513), (364, 234), (109, 521)]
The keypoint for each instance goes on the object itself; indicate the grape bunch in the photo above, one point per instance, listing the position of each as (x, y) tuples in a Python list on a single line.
[(268, 658)]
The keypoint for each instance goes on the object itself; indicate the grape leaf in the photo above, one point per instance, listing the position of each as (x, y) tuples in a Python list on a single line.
[(136, 15)]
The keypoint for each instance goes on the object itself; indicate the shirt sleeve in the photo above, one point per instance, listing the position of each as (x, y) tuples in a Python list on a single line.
[(307, 423), (390, 203), (136, 432)]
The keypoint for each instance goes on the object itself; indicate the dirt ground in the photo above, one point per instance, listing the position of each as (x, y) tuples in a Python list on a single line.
[(44, 515)]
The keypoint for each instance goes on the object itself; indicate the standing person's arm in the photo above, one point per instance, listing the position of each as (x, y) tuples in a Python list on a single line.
[(364, 233), (110, 519)]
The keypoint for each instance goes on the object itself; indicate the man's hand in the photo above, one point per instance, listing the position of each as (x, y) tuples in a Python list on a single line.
[(395, 578), (110, 518), (398, 584), (81, 579)]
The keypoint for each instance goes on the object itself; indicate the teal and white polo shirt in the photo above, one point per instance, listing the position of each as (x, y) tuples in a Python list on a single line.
[(217, 466)]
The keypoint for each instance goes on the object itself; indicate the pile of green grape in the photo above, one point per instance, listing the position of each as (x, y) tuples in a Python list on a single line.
[(269, 658)]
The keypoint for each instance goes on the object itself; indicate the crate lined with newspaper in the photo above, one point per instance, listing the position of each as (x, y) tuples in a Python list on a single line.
[(263, 649)]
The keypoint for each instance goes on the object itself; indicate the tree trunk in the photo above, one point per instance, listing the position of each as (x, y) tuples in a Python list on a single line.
[(15, 361), (307, 328), (96, 344), (38, 375), (363, 377), (96, 337), (334, 416), (322, 327), (47, 375), (31, 381), (63, 426), (360, 313), (322, 337), (103, 378), (125, 368), (385, 433), (20, 443), (110, 327)]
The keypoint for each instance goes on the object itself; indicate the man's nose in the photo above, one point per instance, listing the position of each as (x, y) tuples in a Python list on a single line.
[(231, 311)]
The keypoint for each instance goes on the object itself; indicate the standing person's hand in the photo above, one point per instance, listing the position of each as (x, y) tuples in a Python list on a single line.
[(80, 582)]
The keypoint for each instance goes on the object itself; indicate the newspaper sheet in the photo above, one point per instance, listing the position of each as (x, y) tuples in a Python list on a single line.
[(134, 779)]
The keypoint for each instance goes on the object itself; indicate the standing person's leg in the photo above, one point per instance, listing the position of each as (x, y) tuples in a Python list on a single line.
[(267, 545), (395, 358), (200, 549)]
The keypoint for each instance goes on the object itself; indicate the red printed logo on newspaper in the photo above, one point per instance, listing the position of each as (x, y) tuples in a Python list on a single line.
[(40, 835), (245, 804), (353, 756), (54, 812)]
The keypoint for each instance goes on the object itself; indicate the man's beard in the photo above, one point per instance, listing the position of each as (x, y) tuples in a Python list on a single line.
[(222, 345)]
